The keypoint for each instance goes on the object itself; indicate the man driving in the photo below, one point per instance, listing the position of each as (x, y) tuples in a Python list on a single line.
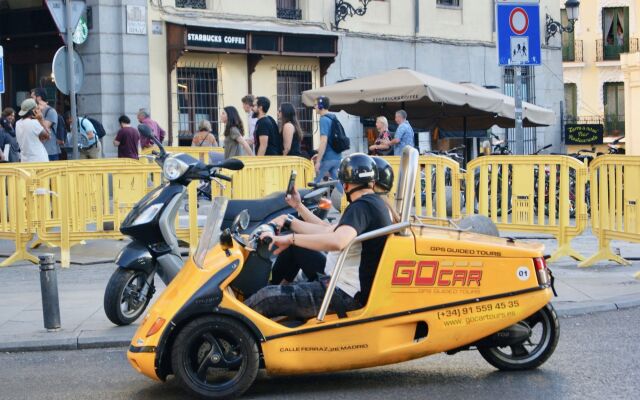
[(365, 213)]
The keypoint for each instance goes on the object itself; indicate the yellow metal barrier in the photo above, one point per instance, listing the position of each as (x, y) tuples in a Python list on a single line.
[(201, 153), (437, 188), (15, 208), (615, 204), (531, 194)]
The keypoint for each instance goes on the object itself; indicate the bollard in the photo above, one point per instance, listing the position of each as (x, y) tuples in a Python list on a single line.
[(49, 289)]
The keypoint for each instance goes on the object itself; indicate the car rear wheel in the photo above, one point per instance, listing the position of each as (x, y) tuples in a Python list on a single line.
[(532, 352), (215, 357)]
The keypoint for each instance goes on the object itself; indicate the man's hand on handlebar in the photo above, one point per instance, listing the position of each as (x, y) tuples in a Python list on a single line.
[(279, 221), (281, 243)]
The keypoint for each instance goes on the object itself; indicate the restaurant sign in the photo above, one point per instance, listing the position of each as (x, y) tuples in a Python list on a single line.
[(587, 134), (200, 37)]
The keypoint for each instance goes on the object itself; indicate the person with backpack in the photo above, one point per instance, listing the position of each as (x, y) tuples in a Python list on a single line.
[(88, 143), (50, 115), (333, 142)]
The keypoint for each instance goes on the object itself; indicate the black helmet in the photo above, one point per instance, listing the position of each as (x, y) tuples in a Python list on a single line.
[(385, 174), (358, 168)]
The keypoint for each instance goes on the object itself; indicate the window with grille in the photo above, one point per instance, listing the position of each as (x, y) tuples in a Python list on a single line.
[(197, 100), (199, 4), (448, 3), (291, 84), (571, 102), (288, 9), (613, 108), (528, 95)]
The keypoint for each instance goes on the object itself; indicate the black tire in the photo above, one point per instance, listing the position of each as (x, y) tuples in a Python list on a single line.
[(479, 224), (120, 303), (518, 357), (219, 346)]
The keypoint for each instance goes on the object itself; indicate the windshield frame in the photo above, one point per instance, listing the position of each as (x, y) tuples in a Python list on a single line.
[(210, 236)]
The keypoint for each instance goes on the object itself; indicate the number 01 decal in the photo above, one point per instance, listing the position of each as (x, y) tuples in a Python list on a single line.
[(523, 273)]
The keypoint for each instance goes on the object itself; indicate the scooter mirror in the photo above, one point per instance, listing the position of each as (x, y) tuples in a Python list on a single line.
[(145, 131), (231, 164), (241, 221)]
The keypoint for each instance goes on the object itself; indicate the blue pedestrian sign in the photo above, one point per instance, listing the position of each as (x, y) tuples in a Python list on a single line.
[(518, 29), (1, 70)]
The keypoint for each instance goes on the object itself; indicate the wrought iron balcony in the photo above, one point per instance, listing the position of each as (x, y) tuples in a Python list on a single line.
[(288, 9), (608, 51), (614, 125), (198, 4), (572, 51)]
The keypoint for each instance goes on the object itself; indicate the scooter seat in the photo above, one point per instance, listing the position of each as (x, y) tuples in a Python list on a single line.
[(259, 209)]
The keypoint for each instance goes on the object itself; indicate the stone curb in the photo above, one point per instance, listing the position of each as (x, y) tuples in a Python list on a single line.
[(101, 339)]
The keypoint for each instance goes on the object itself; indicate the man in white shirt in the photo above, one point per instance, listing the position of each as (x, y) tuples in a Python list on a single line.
[(31, 133)]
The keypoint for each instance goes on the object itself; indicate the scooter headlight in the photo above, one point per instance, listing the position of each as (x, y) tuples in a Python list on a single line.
[(173, 168), (148, 214)]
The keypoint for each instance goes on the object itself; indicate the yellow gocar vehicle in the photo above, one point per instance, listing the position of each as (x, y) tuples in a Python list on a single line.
[(436, 290)]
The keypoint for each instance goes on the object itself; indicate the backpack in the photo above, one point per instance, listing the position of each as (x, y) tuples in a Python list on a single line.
[(98, 127), (60, 131), (338, 140)]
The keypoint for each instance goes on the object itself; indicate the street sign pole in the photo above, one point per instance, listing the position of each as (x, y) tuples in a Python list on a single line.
[(1, 76), (518, 112), (71, 79)]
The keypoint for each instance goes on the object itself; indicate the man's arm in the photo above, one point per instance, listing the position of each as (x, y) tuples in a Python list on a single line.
[(264, 141), (321, 149), (333, 241), (398, 136)]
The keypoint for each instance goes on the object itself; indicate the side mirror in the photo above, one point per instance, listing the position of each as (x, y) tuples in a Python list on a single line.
[(145, 131), (231, 164), (241, 221)]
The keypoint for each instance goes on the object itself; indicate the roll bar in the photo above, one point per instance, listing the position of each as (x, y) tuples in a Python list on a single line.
[(387, 230)]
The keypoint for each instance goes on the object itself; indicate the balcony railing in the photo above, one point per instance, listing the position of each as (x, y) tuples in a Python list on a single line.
[(614, 125), (572, 51), (288, 9), (608, 52)]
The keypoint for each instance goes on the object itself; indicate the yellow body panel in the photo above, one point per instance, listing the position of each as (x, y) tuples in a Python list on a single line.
[(464, 287)]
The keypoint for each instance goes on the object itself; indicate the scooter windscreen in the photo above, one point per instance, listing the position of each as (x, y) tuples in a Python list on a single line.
[(211, 232)]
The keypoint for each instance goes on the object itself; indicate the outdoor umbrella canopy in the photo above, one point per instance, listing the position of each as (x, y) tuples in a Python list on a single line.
[(429, 101)]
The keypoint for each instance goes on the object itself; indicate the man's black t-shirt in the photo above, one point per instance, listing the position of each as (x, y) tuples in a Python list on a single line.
[(367, 214), (267, 126)]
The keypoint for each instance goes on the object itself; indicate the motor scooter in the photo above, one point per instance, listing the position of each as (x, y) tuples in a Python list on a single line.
[(154, 249), (435, 290)]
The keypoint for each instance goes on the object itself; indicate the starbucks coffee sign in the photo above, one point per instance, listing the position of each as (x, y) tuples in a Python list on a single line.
[(202, 37)]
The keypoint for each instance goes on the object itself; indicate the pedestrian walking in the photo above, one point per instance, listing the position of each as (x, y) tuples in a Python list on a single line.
[(269, 139), (378, 148), (291, 132), (145, 118), (31, 133), (234, 142), (327, 161), (50, 121), (404, 135), (127, 139), (204, 137), (88, 143), (8, 136), (252, 119)]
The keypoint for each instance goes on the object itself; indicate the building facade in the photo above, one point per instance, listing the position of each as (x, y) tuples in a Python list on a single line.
[(597, 89), (184, 60)]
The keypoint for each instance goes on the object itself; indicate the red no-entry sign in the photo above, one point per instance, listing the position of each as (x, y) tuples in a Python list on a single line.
[(518, 21)]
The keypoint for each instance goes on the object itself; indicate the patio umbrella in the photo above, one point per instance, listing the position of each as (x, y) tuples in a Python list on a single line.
[(429, 101)]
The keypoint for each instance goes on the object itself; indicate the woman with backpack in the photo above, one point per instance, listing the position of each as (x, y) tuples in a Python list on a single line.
[(290, 130), (204, 137), (234, 141)]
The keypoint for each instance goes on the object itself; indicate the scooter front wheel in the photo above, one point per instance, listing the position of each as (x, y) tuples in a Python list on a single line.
[(534, 351), (215, 357), (121, 297)]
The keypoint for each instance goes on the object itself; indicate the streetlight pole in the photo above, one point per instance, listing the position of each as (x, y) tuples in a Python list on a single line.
[(71, 80)]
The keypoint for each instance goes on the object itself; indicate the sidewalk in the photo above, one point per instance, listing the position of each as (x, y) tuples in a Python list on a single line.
[(81, 288)]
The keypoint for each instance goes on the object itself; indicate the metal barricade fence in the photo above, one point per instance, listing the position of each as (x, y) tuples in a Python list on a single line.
[(200, 153), (531, 194), (15, 216), (438, 190), (615, 199)]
